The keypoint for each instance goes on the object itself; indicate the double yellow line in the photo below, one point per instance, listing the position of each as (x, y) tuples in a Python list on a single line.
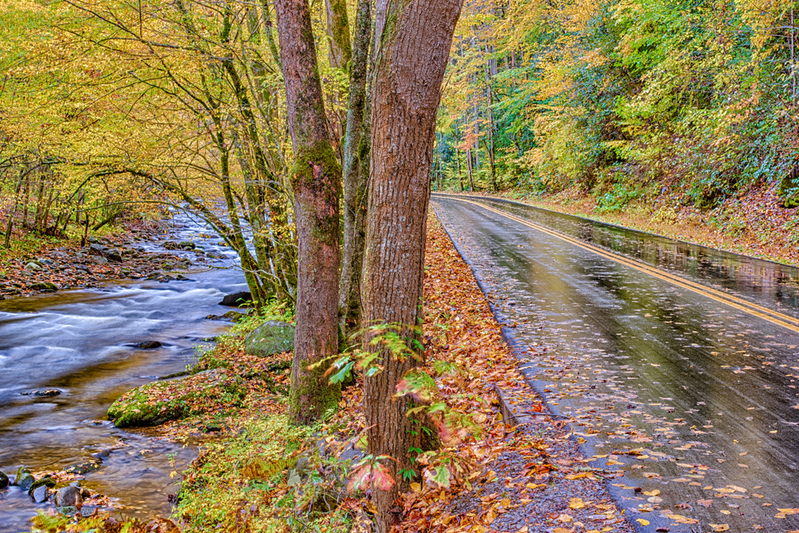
[(775, 317)]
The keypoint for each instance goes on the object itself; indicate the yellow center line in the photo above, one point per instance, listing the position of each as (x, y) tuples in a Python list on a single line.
[(775, 317)]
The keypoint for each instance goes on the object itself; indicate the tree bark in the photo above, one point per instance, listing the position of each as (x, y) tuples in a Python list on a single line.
[(316, 182), (413, 41), (338, 32), (356, 173)]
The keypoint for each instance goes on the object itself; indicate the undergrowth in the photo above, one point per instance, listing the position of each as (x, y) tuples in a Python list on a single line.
[(270, 477)]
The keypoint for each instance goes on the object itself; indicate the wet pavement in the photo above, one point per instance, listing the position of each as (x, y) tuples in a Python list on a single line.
[(81, 343), (695, 400)]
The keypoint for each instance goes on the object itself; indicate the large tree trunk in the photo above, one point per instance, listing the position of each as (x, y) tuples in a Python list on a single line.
[(356, 173), (413, 42), (316, 182)]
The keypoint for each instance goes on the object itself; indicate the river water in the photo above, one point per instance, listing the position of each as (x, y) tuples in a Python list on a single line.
[(694, 401), (80, 342)]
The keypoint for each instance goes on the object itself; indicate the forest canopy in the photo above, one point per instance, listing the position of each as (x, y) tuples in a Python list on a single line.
[(622, 98)]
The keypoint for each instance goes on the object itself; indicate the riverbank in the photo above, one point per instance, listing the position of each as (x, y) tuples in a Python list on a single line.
[(48, 265), (512, 467), (67, 355), (753, 224)]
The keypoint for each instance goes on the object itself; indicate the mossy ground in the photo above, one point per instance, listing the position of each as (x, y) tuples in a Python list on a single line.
[(160, 401)]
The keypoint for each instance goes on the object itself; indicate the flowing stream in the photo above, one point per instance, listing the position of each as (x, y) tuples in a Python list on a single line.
[(81, 342)]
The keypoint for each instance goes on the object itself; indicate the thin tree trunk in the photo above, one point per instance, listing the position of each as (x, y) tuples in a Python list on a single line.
[(316, 181), (13, 213), (356, 173), (414, 40), (338, 33), (458, 165), (470, 169)]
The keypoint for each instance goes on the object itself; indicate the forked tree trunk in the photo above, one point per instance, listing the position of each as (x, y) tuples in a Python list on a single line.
[(356, 173), (316, 181), (413, 41)]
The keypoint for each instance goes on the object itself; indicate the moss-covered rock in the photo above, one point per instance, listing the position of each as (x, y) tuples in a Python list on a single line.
[(46, 481), (270, 338), (160, 401), (24, 479)]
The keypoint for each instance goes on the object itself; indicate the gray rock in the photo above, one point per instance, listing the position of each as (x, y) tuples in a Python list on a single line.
[(45, 286), (113, 255), (147, 345), (68, 497), (25, 480), (84, 492), (187, 245), (33, 266), (236, 299), (351, 454), (40, 494), (3, 481), (270, 338)]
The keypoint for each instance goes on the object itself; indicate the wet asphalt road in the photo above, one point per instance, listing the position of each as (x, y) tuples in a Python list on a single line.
[(695, 400)]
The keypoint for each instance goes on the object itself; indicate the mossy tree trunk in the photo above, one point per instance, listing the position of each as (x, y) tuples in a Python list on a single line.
[(316, 182), (413, 41), (356, 172)]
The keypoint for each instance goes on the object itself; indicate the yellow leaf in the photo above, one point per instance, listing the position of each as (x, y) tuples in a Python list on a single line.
[(720, 527), (576, 503), (680, 519), (642, 521)]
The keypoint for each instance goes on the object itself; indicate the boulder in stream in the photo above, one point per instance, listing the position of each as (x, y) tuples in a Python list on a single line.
[(46, 393), (3, 481), (147, 345), (68, 497), (40, 494), (270, 338), (46, 481), (24, 479), (236, 299), (83, 468)]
